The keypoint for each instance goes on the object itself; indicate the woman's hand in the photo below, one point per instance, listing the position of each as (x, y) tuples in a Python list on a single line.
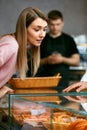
[(77, 87), (4, 90)]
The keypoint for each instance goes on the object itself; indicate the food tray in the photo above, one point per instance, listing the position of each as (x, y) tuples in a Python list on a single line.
[(35, 82), (39, 97), (62, 121)]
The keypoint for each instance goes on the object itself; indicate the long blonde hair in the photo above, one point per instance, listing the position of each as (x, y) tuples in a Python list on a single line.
[(26, 17)]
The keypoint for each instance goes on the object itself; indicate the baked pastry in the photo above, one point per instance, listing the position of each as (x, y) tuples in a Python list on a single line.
[(79, 124)]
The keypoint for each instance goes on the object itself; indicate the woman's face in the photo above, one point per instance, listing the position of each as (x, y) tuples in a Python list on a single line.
[(36, 31)]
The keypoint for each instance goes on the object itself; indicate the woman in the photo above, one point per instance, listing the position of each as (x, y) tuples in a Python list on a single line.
[(30, 31)]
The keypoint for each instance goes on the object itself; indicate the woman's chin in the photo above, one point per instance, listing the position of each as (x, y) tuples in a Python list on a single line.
[(38, 44)]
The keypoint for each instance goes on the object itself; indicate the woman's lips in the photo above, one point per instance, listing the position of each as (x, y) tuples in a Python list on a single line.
[(40, 40)]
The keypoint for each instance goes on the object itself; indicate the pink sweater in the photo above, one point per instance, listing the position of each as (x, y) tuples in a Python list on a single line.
[(8, 57)]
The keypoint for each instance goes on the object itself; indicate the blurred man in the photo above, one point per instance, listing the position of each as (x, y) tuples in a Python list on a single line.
[(58, 50)]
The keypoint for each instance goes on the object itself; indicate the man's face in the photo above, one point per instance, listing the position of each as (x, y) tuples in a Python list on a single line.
[(56, 26)]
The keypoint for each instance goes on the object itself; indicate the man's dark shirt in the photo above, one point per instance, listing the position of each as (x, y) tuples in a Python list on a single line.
[(63, 44)]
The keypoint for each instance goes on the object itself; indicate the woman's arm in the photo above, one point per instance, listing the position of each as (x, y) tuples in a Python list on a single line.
[(8, 57)]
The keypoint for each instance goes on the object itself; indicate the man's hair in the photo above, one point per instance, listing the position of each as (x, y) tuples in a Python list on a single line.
[(55, 14)]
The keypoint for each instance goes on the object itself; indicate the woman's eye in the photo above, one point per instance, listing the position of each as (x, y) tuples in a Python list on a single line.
[(45, 29), (36, 30)]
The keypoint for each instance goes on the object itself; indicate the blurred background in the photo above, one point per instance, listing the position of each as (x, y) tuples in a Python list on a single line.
[(75, 13)]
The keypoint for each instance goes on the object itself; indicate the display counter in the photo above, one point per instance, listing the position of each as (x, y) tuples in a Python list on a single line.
[(36, 103), (47, 109)]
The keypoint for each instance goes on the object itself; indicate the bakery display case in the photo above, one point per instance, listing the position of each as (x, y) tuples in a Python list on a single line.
[(42, 112), (37, 104)]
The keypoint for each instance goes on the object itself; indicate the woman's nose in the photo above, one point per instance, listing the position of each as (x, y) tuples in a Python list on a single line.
[(42, 34)]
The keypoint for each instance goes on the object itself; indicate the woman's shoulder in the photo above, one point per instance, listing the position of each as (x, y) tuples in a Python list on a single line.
[(8, 40)]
